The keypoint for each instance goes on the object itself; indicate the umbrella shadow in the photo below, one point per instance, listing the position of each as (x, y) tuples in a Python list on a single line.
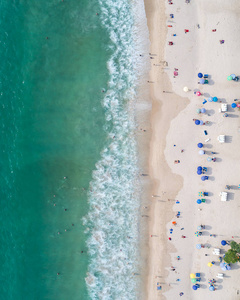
[(233, 116), (230, 109), (209, 146), (211, 82), (212, 178), (210, 112), (206, 95), (219, 287), (231, 196), (234, 187), (203, 286), (208, 227), (208, 201), (218, 159), (234, 266), (228, 138), (209, 171)]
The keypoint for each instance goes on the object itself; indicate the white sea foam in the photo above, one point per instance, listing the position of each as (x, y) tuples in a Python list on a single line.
[(114, 197)]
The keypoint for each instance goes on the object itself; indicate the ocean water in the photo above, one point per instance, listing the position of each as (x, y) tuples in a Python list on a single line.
[(70, 194)]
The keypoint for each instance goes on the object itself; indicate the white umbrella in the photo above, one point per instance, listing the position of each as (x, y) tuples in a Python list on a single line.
[(185, 89), (201, 152)]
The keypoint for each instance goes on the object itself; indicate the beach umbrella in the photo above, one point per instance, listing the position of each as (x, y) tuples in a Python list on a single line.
[(203, 110), (194, 280), (199, 168), (238, 104), (199, 227), (223, 266), (209, 264), (199, 172), (200, 145), (229, 78), (197, 233), (234, 105), (233, 76), (228, 267), (198, 93), (201, 81), (210, 99), (175, 73), (223, 242), (209, 158), (211, 288), (198, 246), (203, 178), (199, 201), (197, 122), (201, 122), (185, 89), (192, 275), (198, 110), (194, 287), (201, 152), (200, 75), (215, 99)]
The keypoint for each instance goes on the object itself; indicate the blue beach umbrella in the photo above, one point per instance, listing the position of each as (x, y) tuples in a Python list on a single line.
[(199, 227), (194, 287), (234, 105), (203, 110), (199, 168), (233, 76), (228, 267), (199, 172), (215, 99), (200, 145), (201, 122), (223, 242), (198, 110), (211, 288), (200, 75), (203, 178), (201, 81), (197, 122), (210, 99), (199, 201), (198, 246), (209, 158)]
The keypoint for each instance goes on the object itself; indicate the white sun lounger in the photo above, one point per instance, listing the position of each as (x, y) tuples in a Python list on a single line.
[(216, 251), (223, 196), (221, 138), (223, 107), (219, 275)]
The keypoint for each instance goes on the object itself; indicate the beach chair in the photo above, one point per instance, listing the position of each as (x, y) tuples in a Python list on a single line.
[(223, 107), (198, 275), (223, 196), (216, 251), (205, 76), (221, 138)]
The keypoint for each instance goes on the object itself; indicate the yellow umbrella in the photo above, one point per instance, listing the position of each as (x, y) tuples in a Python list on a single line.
[(209, 264), (192, 275)]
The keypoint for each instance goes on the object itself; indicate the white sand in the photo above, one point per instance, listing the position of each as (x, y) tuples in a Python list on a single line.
[(198, 50)]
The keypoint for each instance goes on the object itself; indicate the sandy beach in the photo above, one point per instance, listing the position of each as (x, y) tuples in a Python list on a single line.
[(196, 30)]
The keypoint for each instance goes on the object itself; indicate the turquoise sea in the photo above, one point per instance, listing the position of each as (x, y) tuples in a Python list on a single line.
[(70, 194)]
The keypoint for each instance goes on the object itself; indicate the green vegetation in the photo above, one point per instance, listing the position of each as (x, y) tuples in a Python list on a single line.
[(233, 254)]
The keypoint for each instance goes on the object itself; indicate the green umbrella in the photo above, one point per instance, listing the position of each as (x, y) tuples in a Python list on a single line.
[(198, 110), (229, 78), (194, 280)]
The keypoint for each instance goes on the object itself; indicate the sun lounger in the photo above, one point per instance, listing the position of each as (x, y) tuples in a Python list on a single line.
[(221, 138), (223, 107), (216, 251), (223, 196)]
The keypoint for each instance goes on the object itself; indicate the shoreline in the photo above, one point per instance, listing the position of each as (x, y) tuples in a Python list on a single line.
[(161, 211)]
